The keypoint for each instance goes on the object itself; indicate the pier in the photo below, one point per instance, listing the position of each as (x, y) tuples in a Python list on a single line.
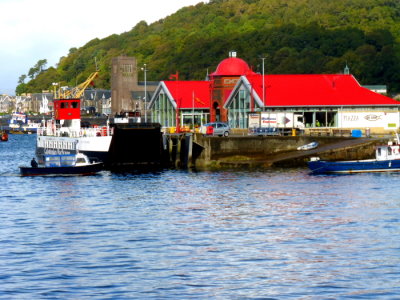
[(203, 152), (136, 145), (145, 146)]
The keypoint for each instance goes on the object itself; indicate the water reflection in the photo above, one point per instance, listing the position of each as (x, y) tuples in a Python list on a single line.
[(175, 234)]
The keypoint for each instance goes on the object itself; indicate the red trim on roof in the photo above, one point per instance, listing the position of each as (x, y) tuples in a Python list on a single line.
[(315, 90), (187, 93)]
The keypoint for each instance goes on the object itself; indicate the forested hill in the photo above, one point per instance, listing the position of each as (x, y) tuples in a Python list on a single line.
[(295, 36)]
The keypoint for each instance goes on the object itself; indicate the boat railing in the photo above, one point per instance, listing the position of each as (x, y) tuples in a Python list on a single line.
[(82, 132)]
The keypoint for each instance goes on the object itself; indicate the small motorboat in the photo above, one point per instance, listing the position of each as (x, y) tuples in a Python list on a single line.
[(309, 146), (62, 164), (387, 159)]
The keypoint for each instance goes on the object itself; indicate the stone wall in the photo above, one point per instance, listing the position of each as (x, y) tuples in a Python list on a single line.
[(254, 151)]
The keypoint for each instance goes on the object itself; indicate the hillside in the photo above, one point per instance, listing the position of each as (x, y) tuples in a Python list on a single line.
[(295, 36)]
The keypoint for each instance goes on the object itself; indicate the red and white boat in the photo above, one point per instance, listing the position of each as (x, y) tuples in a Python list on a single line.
[(64, 134)]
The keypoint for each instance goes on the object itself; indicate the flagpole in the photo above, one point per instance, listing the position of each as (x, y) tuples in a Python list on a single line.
[(145, 92), (193, 109), (263, 82)]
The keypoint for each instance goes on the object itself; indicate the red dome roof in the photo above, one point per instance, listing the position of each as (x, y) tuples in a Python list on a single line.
[(232, 66)]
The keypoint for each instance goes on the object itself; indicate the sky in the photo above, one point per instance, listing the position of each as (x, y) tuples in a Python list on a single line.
[(31, 30)]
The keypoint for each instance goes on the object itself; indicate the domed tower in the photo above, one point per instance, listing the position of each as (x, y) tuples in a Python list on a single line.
[(223, 80)]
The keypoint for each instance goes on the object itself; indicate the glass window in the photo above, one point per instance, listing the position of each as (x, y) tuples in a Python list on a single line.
[(163, 112)]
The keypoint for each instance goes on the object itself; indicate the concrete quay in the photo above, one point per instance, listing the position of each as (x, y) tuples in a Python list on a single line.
[(189, 150), (203, 152)]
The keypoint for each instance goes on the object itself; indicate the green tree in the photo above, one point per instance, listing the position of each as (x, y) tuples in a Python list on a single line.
[(298, 37), (22, 78)]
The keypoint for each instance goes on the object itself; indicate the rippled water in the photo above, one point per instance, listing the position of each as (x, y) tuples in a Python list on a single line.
[(275, 234)]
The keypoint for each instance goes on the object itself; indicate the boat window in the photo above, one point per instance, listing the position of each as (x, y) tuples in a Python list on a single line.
[(389, 150), (80, 160), (74, 104), (379, 152), (64, 104), (52, 161)]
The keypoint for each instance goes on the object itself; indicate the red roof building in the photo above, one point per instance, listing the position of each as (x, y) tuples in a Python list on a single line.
[(313, 90), (326, 100), (232, 66), (178, 103), (223, 80), (189, 94), (234, 91)]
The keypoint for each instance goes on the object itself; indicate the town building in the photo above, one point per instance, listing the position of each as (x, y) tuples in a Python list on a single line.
[(41, 103), (6, 103), (234, 91), (181, 103), (222, 82), (96, 101), (127, 92), (327, 100)]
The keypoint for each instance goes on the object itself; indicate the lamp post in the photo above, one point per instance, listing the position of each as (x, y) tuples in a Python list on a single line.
[(55, 84), (193, 110), (145, 92), (263, 81)]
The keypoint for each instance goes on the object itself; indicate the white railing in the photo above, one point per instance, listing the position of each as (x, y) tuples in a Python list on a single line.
[(68, 132)]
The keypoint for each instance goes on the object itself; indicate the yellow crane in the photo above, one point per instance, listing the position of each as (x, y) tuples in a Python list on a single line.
[(76, 92)]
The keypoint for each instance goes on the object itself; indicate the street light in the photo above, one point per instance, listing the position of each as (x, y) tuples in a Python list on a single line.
[(55, 84), (145, 92), (263, 82)]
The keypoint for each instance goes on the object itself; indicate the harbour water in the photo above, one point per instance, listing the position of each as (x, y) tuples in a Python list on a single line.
[(272, 234)]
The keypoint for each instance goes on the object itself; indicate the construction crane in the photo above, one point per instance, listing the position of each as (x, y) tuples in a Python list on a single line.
[(77, 92)]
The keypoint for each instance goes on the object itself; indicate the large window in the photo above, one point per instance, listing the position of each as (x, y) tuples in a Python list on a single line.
[(239, 108), (163, 112), (188, 119)]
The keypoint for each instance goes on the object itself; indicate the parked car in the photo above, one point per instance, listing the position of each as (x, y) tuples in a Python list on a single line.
[(216, 128)]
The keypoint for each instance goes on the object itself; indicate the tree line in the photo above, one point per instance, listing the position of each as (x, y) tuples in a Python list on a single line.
[(293, 37)]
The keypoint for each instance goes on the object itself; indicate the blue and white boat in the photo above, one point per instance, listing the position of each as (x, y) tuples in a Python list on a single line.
[(19, 123), (309, 146), (63, 164), (387, 159)]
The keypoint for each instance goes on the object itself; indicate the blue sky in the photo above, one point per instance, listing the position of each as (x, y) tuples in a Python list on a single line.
[(31, 30)]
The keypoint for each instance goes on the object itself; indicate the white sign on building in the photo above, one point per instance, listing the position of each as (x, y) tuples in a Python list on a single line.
[(372, 119)]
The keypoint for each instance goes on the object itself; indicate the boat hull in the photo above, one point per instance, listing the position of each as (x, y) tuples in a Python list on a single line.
[(360, 166), (75, 170), (96, 148), (309, 146), (3, 136)]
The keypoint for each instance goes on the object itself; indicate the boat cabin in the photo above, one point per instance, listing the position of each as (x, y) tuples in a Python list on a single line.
[(387, 152), (67, 109), (65, 160), (67, 115), (59, 160)]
